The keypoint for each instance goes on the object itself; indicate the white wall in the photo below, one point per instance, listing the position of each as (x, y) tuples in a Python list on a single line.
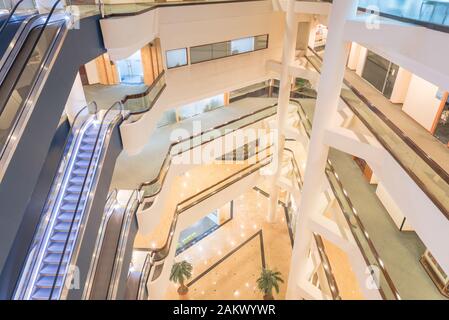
[(92, 72), (401, 86), (76, 100), (421, 102), (194, 25)]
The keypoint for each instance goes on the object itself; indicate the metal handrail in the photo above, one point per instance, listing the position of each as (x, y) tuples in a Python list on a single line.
[(109, 209), (57, 179), (11, 14), (16, 121), (97, 140), (130, 211)]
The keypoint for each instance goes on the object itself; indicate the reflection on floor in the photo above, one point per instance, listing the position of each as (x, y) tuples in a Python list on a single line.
[(400, 251), (235, 276)]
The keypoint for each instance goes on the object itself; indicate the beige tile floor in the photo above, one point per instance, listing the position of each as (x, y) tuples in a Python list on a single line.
[(235, 277)]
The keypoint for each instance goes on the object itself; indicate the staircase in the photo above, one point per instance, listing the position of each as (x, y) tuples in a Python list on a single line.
[(56, 251)]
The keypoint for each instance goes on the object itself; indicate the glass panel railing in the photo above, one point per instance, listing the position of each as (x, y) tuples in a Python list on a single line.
[(111, 10), (152, 188), (431, 12), (20, 81), (386, 286), (139, 103), (427, 174)]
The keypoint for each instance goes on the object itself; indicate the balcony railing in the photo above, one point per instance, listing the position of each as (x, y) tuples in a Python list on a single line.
[(387, 288), (432, 14), (428, 175)]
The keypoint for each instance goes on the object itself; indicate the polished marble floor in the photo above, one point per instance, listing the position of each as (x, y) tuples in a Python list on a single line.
[(232, 276)]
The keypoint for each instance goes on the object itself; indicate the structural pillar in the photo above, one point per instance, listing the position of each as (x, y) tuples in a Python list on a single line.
[(329, 88), (288, 55)]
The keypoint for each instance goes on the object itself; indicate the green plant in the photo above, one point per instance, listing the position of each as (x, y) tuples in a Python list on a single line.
[(180, 272), (268, 280)]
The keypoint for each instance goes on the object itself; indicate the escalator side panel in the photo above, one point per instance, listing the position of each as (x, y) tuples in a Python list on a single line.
[(83, 260), (127, 257), (21, 176), (33, 210)]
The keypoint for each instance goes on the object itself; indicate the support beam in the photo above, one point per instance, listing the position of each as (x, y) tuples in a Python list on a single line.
[(288, 56), (329, 88)]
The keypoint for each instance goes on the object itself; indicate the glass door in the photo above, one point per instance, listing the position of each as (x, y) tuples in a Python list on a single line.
[(130, 69)]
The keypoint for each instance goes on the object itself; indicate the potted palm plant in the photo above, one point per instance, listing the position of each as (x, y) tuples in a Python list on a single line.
[(268, 280), (180, 272)]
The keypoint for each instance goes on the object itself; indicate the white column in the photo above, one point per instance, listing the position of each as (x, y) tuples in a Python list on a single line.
[(362, 59), (290, 34), (329, 88), (354, 56), (76, 100)]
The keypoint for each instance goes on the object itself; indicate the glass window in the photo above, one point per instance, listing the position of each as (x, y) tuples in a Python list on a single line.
[(201, 53), (220, 50), (242, 45), (261, 42), (176, 58), (227, 48)]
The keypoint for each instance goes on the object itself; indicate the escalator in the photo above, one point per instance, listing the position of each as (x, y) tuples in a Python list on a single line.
[(72, 212), (109, 276), (14, 19), (37, 72), (118, 230), (21, 74), (72, 217)]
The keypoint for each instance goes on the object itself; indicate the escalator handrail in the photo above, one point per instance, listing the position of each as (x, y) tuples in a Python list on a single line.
[(152, 257), (130, 212), (169, 155), (11, 14), (113, 122), (72, 141), (330, 169), (111, 200), (16, 121)]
